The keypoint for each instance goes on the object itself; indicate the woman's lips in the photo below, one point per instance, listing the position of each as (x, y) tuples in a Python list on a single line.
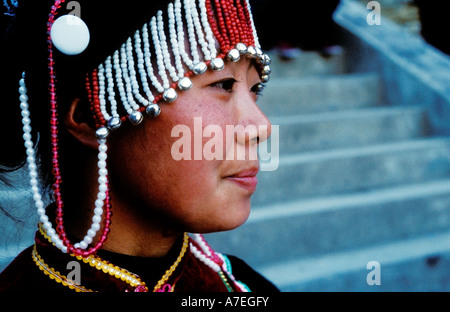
[(246, 179)]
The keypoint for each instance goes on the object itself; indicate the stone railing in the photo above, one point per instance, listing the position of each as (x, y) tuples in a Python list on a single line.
[(413, 72)]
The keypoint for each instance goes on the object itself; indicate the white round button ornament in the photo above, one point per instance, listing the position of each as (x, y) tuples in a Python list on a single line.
[(70, 34)]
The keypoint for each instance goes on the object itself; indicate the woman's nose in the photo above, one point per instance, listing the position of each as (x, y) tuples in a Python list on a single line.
[(256, 124)]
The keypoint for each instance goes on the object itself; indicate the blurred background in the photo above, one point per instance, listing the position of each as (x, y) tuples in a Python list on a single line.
[(362, 98)]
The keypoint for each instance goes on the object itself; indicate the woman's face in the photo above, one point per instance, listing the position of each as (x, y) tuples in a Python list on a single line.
[(196, 193)]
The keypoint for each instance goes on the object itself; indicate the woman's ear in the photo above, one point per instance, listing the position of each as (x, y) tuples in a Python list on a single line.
[(77, 124)]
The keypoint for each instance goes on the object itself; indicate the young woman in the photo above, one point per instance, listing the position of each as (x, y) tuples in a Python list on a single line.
[(102, 89)]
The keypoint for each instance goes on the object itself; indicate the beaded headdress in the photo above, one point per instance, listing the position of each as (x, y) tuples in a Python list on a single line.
[(147, 71)]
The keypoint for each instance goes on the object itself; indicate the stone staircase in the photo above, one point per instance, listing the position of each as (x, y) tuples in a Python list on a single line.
[(358, 181)]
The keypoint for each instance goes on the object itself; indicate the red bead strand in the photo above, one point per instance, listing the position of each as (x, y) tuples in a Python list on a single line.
[(228, 23), (244, 31), (213, 23), (55, 156), (95, 100), (248, 19), (225, 44), (91, 101), (237, 25)]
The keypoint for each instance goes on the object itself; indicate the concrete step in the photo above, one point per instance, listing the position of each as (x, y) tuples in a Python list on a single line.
[(419, 264), (314, 227), (301, 133), (307, 64), (293, 96), (323, 173)]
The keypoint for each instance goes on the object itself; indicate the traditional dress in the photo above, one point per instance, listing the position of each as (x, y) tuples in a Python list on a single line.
[(43, 268)]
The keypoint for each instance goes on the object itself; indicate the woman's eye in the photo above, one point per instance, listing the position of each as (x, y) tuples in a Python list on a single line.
[(226, 84), (258, 88)]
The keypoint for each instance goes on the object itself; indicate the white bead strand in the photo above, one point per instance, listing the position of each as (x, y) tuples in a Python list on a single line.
[(207, 28), (199, 239), (174, 41), (148, 61), (180, 32), (159, 54), (101, 196), (141, 66), (119, 82), (200, 31), (164, 47), (203, 258), (110, 89), (102, 91), (132, 83), (191, 32), (115, 121), (32, 167), (124, 63)]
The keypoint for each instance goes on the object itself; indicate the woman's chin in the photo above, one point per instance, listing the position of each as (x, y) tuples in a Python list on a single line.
[(228, 221)]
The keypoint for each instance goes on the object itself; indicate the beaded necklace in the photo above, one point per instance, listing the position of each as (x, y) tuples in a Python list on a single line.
[(55, 275), (217, 262), (108, 268)]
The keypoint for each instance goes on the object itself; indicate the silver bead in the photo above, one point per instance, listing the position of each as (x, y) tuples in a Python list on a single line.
[(153, 110), (260, 59), (217, 64), (234, 55), (114, 123), (242, 48), (260, 87), (136, 117), (170, 95), (259, 52), (200, 68), (266, 70), (266, 60), (102, 133), (185, 84), (251, 52), (265, 78)]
